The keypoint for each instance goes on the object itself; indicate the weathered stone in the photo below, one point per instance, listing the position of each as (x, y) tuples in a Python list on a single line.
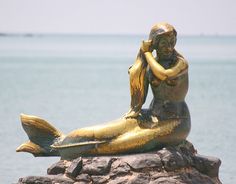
[(166, 180), (187, 148), (207, 165), (190, 176), (97, 165), (141, 161), (119, 180), (74, 169), (119, 168), (178, 165), (35, 179), (83, 178), (157, 175), (57, 168), (193, 176), (62, 179), (100, 179), (45, 180), (172, 159), (140, 178)]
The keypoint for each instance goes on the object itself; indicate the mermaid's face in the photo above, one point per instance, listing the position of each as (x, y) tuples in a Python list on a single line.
[(166, 44)]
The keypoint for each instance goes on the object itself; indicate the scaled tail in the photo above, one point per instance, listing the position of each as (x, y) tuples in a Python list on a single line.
[(41, 136)]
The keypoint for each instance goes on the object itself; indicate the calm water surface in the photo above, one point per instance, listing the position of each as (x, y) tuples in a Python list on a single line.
[(77, 81)]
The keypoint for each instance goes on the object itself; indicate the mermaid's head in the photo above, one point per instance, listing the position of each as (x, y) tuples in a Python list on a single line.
[(163, 36)]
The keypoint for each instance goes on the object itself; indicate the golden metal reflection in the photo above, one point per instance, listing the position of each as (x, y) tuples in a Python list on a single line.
[(166, 122)]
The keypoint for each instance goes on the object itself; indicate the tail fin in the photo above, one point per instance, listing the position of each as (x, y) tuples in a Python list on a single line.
[(41, 135)]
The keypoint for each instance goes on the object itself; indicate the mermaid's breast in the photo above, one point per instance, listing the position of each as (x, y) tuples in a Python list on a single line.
[(171, 89)]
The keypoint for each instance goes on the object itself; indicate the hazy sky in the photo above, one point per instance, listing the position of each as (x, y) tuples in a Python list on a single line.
[(117, 16)]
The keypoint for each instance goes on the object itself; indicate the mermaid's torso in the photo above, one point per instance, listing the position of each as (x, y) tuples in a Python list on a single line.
[(169, 96)]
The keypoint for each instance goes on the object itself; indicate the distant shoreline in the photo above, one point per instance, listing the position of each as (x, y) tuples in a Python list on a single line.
[(84, 34)]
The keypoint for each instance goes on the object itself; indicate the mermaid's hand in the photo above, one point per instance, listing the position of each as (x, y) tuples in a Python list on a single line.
[(131, 114), (146, 46)]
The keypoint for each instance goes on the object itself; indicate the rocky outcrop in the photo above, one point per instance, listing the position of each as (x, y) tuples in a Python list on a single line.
[(177, 165)]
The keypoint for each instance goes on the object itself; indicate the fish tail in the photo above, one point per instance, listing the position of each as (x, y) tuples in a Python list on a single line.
[(41, 136)]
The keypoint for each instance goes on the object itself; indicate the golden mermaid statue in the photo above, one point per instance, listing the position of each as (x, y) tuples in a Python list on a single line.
[(165, 122)]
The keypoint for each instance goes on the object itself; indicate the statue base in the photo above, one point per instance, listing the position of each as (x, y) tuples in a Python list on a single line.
[(180, 164)]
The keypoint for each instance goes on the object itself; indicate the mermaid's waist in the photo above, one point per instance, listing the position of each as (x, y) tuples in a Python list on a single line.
[(164, 110)]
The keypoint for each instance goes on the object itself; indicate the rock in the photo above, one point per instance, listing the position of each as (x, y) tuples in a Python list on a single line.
[(45, 180), (119, 180), (97, 165), (74, 168), (119, 168), (165, 180), (172, 159), (100, 179), (35, 179), (83, 178), (140, 178), (57, 168), (62, 179), (177, 164), (191, 176), (207, 165), (141, 161)]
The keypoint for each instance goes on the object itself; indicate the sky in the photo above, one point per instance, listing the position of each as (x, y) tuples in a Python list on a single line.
[(190, 17)]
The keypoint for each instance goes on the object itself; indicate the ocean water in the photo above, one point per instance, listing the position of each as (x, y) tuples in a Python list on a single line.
[(75, 81)]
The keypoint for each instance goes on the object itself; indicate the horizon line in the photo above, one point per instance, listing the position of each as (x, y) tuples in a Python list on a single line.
[(29, 34)]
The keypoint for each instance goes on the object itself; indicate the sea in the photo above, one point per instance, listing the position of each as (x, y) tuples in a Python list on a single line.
[(74, 81)]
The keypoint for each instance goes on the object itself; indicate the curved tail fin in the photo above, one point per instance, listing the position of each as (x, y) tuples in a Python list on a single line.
[(41, 136)]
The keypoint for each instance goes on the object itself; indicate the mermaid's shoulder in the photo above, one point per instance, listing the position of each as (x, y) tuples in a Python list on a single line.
[(180, 59)]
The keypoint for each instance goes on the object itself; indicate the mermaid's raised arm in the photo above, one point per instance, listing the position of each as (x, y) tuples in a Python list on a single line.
[(180, 68), (162, 73)]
